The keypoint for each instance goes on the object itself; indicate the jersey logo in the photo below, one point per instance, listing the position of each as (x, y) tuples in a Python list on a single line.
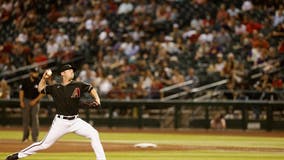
[(76, 93)]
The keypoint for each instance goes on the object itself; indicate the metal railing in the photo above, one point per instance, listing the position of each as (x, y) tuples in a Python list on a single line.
[(172, 87), (186, 92)]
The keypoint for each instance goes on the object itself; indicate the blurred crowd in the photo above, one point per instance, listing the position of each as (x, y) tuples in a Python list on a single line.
[(132, 49)]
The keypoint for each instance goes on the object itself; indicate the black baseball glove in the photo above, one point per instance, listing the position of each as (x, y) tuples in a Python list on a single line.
[(91, 104)]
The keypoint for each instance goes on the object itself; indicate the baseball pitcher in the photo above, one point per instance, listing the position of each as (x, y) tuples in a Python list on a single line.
[(66, 96)]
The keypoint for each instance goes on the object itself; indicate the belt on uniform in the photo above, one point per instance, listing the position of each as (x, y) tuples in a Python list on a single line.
[(66, 117)]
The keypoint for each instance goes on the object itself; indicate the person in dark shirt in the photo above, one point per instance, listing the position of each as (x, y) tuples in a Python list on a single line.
[(29, 102), (66, 97)]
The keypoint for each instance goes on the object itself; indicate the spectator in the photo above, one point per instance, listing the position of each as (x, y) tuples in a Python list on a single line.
[(139, 91), (218, 122), (278, 32), (223, 38), (38, 55), (137, 34), (281, 47), (125, 7), (53, 15), (61, 37), (200, 2), (189, 32), (222, 14), (98, 78), (177, 77), (202, 51), (252, 25), (170, 46), (219, 66), (147, 81), (240, 28), (96, 22), (230, 65), (259, 40), (87, 75), (117, 92), (277, 82), (6, 10), (163, 13), (106, 86), (5, 90), (192, 77), (239, 73), (247, 5), (279, 16), (111, 60), (6, 64), (233, 11), (129, 48), (156, 85), (195, 22), (52, 48), (141, 7), (207, 36), (22, 37), (67, 51), (207, 21)]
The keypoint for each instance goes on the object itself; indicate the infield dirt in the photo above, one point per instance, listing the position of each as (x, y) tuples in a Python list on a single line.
[(70, 146)]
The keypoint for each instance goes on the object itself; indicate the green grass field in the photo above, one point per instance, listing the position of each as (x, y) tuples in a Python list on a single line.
[(169, 139)]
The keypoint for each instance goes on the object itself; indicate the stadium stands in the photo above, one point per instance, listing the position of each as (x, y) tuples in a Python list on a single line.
[(147, 45)]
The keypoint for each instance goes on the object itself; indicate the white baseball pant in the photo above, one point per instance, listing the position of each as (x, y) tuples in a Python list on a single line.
[(61, 127)]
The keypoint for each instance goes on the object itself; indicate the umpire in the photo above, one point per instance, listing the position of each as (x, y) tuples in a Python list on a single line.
[(29, 102)]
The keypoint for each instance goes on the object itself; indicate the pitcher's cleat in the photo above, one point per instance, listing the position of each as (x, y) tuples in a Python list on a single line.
[(13, 157)]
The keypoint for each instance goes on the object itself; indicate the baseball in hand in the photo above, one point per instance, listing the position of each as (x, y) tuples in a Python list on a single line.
[(49, 72)]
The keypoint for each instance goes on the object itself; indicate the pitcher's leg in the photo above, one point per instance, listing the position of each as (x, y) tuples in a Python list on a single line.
[(35, 122), (85, 129), (57, 130)]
